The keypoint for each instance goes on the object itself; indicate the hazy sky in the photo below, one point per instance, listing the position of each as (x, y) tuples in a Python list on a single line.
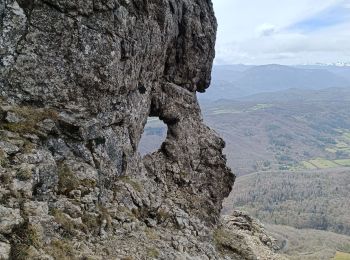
[(282, 31)]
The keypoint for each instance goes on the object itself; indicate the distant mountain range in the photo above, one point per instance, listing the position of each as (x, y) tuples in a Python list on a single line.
[(334, 94), (237, 81)]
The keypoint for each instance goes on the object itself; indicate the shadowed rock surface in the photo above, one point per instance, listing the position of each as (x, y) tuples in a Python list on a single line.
[(78, 82)]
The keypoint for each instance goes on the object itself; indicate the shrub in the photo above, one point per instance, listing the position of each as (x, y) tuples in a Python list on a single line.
[(67, 181)]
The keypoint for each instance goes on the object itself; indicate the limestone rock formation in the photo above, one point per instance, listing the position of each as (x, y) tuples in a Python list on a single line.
[(78, 80)]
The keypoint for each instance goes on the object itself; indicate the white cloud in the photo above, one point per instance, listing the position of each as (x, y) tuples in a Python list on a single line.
[(256, 32)]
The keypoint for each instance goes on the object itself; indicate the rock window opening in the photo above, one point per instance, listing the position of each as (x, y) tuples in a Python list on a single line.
[(153, 135)]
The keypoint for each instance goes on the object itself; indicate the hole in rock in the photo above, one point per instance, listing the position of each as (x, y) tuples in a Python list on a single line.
[(153, 136)]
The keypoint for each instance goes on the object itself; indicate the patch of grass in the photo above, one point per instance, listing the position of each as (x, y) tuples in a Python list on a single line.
[(126, 179), (152, 253), (25, 237), (92, 222), (341, 256), (32, 116), (61, 249), (228, 242), (28, 146), (3, 159), (33, 236), (68, 180), (222, 239), (66, 223), (24, 174), (151, 235)]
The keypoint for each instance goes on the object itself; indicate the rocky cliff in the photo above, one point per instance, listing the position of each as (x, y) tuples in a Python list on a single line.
[(78, 81)]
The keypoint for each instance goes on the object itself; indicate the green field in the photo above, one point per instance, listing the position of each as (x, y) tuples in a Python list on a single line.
[(321, 163), (231, 110), (259, 107), (341, 256), (225, 111), (346, 136), (342, 143), (342, 146), (308, 165), (344, 162), (331, 150)]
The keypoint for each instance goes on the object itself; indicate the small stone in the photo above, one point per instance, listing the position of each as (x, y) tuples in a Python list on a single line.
[(8, 219), (182, 222), (69, 208), (5, 250), (9, 148), (48, 125), (75, 194), (11, 117), (36, 208), (32, 137), (151, 222), (25, 187), (103, 233), (59, 148), (8, 134)]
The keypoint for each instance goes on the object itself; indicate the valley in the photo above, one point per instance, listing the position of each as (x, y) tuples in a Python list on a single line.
[(289, 135), (291, 152)]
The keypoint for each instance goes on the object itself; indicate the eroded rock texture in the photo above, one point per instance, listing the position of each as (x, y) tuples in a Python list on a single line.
[(78, 82)]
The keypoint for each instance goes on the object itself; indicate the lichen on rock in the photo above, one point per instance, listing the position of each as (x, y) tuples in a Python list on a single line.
[(78, 80)]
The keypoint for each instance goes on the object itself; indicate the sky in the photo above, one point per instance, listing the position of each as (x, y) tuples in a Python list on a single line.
[(282, 31)]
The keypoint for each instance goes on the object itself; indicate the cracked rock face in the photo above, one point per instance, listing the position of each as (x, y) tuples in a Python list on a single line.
[(78, 80)]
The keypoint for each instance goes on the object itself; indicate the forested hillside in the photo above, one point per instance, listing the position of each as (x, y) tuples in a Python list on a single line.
[(310, 244), (315, 199)]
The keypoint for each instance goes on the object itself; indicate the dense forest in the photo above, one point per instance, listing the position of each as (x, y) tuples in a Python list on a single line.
[(315, 199)]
